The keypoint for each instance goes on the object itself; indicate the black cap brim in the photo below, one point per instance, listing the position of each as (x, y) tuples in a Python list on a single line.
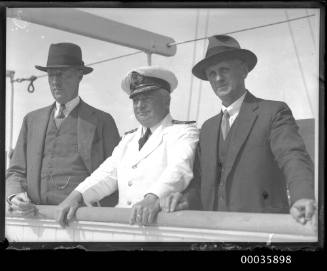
[(142, 90)]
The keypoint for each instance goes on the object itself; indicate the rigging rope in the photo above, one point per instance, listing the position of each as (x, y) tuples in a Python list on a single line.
[(31, 87), (299, 63), (244, 29), (193, 62), (311, 30), (203, 54)]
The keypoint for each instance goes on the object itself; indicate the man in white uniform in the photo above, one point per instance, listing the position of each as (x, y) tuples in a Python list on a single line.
[(151, 161)]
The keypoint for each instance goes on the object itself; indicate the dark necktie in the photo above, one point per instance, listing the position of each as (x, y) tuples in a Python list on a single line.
[(144, 138), (225, 127), (61, 111)]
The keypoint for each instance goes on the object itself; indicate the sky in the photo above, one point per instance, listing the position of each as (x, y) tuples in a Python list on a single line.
[(287, 68)]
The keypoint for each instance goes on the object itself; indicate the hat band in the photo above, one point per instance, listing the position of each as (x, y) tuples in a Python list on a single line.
[(148, 81), (221, 49), (64, 60)]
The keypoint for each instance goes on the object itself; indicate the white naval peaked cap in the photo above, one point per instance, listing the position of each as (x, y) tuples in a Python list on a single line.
[(148, 78)]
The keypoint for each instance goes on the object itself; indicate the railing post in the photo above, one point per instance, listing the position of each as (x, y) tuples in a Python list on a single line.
[(149, 58), (11, 75)]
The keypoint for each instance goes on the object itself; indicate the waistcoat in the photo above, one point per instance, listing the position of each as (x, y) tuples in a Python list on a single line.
[(62, 167), (223, 145)]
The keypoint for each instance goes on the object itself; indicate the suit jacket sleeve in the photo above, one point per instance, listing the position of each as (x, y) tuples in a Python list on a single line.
[(103, 181), (178, 173), (289, 151), (192, 192), (16, 174), (110, 135)]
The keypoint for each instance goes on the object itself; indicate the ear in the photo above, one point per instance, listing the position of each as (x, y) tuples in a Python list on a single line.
[(80, 76), (245, 70)]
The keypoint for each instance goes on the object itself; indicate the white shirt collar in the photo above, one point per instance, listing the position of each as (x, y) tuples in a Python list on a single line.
[(235, 107), (69, 106)]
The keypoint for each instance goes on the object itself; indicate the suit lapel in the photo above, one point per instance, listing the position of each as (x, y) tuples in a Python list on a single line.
[(38, 134), (152, 143), (243, 125), (86, 127), (154, 140), (209, 168)]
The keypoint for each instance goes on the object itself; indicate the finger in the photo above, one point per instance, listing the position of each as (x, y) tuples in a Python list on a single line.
[(139, 216), (61, 217), (175, 200), (167, 202), (151, 218), (163, 203), (71, 214), (152, 215), (132, 219), (145, 217), (27, 213), (297, 214), (309, 210), (23, 207), (21, 204)]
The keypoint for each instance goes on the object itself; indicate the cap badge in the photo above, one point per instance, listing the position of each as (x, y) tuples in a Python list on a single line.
[(136, 80)]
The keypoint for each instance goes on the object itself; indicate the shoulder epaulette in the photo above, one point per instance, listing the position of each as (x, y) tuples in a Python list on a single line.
[(131, 131), (183, 122)]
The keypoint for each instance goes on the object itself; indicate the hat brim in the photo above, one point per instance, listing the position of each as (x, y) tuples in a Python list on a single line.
[(247, 56), (142, 90), (85, 69)]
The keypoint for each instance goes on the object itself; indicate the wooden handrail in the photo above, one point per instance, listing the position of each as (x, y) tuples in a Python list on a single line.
[(229, 221)]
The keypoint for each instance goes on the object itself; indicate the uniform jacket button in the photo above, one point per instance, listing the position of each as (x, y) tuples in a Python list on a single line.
[(130, 183), (129, 202)]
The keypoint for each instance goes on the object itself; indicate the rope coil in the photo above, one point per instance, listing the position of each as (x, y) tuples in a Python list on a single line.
[(31, 79)]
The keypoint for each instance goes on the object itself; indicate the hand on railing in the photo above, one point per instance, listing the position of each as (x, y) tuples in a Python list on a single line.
[(21, 205), (303, 210), (145, 211), (174, 202), (65, 211)]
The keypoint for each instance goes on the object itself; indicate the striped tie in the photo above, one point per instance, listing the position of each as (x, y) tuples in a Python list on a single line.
[(225, 127), (61, 114)]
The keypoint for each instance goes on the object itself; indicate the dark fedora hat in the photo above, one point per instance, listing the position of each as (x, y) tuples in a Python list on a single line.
[(65, 55), (223, 47)]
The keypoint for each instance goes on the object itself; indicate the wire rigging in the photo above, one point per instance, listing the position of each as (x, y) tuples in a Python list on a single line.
[(203, 54), (311, 30), (31, 79), (193, 62), (299, 62), (114, 58), (244, 29)]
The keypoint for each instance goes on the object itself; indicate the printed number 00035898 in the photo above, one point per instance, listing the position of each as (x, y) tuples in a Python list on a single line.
[(263, 259)]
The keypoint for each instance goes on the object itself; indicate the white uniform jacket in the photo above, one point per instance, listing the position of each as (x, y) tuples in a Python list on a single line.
[(163, 165)]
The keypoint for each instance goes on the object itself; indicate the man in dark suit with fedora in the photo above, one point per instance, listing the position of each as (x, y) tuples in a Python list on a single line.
[(61, 144), (250, 155)]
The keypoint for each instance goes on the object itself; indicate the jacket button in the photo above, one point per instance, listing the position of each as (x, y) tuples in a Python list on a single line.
[(265, 194), (130, 183), (129, 202)]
